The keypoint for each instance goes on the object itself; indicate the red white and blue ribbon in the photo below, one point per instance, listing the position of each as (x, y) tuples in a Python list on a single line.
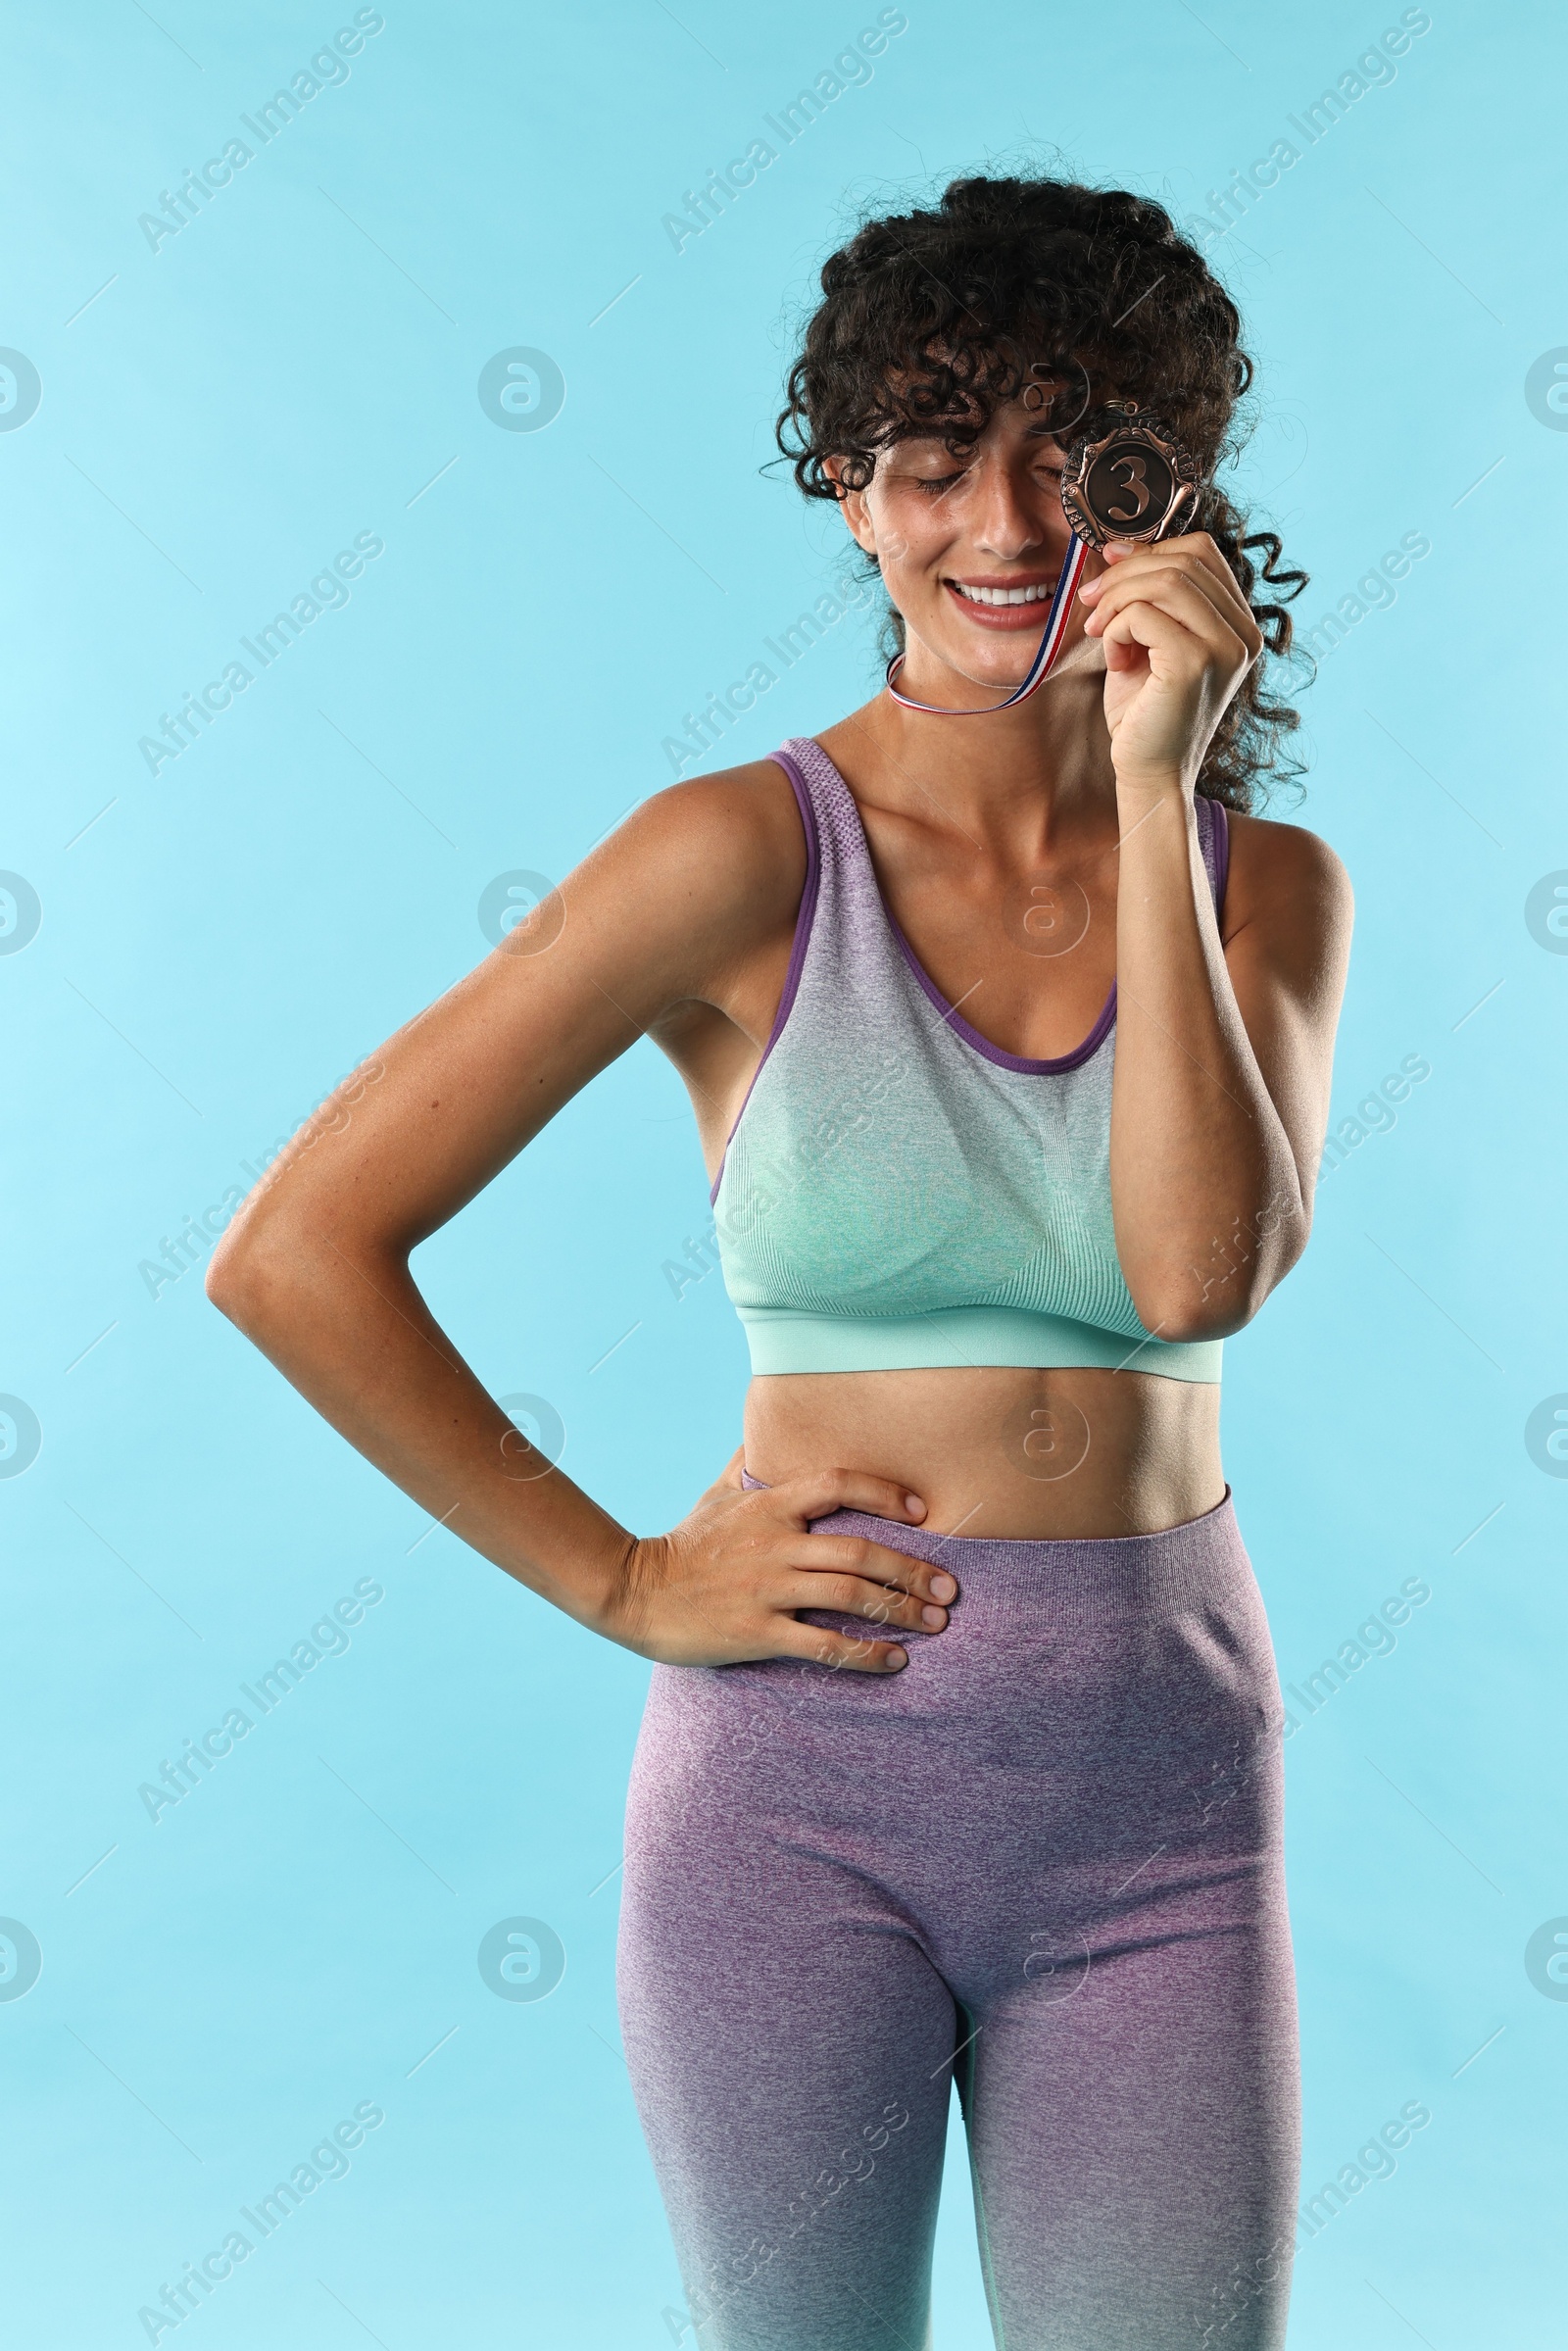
[(1044, 660)]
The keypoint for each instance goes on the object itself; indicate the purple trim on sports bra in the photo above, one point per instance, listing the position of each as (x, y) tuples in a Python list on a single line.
[(1104, 1022), (1220, 817), (1080, 1054), (803, 934), (1106, 1019)]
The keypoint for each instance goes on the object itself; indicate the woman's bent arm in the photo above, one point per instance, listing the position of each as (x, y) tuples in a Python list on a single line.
[(1223, 1060), (314, 1268)]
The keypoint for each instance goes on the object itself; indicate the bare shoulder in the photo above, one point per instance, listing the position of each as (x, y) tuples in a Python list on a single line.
[(714, 868), (747, 813), (733, 839), (1287, 883)]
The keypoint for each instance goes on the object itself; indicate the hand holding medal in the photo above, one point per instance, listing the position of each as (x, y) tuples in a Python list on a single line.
[(1178, 632), (1127, 478)]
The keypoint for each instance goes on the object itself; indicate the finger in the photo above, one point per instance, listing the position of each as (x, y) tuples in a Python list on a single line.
[(1216, 569), (854, 1554), (1143, 633), (1209, 553), (1218, 586), (1199, 543), (1214, 657), (1144, 641), (817, 1493), (1188, 619), (853, 1596), (1197, 552), (819, 1646), (1187, 592)]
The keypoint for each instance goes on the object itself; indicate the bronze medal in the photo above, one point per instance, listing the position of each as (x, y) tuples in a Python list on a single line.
[(1128, 477)]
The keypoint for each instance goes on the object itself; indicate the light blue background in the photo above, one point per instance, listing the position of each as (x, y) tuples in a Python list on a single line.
[(219, 943)]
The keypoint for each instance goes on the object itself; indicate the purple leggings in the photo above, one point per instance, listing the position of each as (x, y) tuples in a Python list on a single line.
[(1044, 1862)]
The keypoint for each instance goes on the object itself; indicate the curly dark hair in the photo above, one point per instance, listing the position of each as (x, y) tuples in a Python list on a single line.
[(930, 318)]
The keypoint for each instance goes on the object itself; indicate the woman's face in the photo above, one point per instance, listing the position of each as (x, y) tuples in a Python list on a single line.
[(971, 548)]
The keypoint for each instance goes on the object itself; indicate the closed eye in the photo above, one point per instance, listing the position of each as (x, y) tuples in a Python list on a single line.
[(935, 484)]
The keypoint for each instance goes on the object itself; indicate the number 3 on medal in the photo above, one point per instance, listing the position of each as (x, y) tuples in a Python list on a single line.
[(1135, 479)]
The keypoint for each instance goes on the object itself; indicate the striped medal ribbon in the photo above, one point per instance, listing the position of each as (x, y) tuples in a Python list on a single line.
[(1045, 652)]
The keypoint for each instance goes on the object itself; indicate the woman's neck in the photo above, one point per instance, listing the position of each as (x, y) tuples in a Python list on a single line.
[(1043, 770)]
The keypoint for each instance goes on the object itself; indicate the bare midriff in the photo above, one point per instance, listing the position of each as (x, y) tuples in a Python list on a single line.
[(999, 1452)]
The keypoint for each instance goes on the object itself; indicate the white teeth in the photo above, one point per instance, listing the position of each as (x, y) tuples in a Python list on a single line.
[(1033, 595)]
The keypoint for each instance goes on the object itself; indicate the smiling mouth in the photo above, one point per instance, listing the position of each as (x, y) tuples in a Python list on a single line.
[(1004, 608), (1027, 592)]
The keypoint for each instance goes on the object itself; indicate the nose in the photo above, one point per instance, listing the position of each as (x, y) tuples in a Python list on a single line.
[(1013, 513)]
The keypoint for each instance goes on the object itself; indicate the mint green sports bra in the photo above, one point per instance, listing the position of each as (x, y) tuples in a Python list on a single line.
[(896, 1191)]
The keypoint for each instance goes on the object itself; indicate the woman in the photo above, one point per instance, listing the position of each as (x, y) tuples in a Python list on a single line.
[(1008, 1039)]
